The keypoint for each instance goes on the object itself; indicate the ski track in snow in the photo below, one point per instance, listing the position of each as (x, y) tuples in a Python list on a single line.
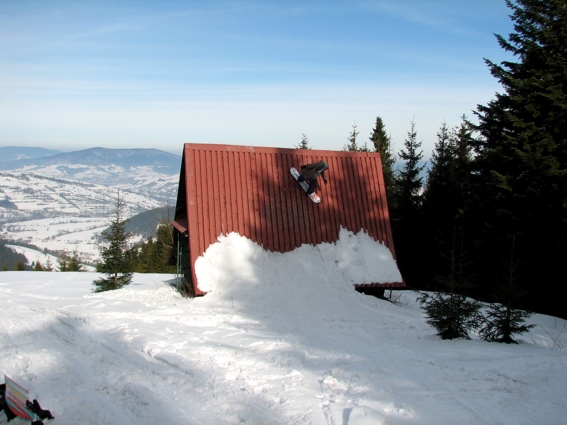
[(282, 353)]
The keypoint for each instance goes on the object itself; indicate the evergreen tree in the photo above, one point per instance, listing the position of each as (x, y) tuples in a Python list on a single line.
[(70, 263), (449, 311), (463, 143), (441, 176), (20, 266), (406, 210), (438, 203), (144, 256), (62, 261), (37, 267), (503, 320), (381, 143), (117, 261), (409, 182), (521, 159), (48, 266), (153, 255), (304, 144), (75, 263), (352, 145), (164, 242), (446, 192)]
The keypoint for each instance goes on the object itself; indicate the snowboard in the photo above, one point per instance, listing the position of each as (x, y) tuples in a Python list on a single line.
[(314, 197)]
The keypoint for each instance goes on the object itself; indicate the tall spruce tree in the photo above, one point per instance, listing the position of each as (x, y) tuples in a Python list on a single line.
[(381, 143), (117, 260), (406, 209), (521, 157), (446, 193), (438, 203), (409, 182), (441, 178), (463, 143)]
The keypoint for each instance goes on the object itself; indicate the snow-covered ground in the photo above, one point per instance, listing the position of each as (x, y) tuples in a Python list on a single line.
[(59, 234), (46, 260), (61, 215), (143, 180), (276, 342), (26, 196)]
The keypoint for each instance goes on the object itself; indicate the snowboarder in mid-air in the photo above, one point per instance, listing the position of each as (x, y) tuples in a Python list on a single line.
[(310, 173), (308, 178)]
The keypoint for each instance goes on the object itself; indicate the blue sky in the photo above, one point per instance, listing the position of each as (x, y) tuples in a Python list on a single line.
[(121, 74)]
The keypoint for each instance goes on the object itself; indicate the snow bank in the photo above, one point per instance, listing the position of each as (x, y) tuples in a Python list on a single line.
[(235, 263)]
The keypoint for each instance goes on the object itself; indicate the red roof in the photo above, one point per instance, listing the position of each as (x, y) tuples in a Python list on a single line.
[(250, 191)]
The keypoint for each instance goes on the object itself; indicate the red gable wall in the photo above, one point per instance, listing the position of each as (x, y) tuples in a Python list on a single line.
[(249, 190)]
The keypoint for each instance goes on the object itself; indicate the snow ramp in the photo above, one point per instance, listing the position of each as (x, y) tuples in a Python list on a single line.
[(249, 191)]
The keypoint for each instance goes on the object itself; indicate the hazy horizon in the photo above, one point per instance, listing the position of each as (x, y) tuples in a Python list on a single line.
[(157, 75)]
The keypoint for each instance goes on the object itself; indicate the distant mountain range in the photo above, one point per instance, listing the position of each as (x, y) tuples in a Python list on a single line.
[(15, 153), (12, 158), (149, 172)]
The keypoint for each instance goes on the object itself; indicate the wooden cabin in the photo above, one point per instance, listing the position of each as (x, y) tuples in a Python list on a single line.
[(250, 191)]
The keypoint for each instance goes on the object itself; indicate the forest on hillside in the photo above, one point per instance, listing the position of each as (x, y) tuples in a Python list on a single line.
[(489, 219), (10, 260)]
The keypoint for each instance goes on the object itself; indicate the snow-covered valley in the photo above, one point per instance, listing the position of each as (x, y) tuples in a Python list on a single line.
[(62, 202), (60, 215), (25, 196)]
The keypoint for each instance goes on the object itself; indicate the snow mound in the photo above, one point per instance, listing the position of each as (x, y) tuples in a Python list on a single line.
[(237, 264)]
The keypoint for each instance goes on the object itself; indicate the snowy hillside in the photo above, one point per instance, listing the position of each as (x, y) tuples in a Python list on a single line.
[(149, 172), (68, 234), (60, 215), (34, 256), (62, 201), (275, 342), (26, 196), (141, 180)]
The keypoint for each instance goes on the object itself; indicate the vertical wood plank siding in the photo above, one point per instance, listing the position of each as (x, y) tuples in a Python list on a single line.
[(249, 190)]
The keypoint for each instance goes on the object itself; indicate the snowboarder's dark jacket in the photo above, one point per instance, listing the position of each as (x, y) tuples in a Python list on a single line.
[(312, 171)]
